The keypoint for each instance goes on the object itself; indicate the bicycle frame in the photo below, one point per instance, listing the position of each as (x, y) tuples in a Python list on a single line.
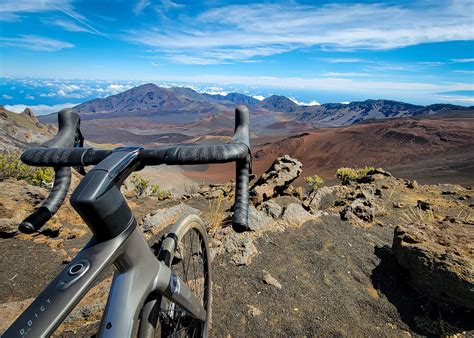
[(116, 241), (138, 275)]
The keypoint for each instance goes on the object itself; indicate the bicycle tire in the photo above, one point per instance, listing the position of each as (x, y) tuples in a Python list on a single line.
[(165, 318)]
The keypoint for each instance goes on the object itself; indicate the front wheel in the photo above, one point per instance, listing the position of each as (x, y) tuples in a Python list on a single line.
[(190, 261)]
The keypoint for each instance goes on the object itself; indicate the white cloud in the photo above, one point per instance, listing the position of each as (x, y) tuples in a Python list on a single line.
[(71, 26), (68, 90), (431, 63), (321, 83), (217, 37), (259, 97), (461, 99), (463, 60), (36, 43), (7, 97), (40, 109), (464, 71), (345, 102), (214, 91), (29, 97), (81, 89), (69, 87), (79, 19), (193, 60), (140, 6), (11, 10), (158, 6), (311, 103), (384, 66), (348, 74), (343, 60), (116, 88), (166, 5)]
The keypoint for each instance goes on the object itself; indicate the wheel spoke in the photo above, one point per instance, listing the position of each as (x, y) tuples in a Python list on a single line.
[(192, 269)]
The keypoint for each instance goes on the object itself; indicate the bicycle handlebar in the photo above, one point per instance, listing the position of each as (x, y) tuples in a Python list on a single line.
[(68, 132), (61, 156)]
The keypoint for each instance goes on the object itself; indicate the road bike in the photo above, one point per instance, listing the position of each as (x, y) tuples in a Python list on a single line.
[(164, 292)]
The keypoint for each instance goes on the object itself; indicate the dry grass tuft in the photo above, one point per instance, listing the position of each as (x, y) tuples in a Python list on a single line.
[(217, 214)]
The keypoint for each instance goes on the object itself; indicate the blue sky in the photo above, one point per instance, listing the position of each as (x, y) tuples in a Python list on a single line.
[(314, 51)]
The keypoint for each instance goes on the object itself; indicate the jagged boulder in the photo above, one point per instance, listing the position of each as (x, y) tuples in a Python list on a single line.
[(358, 212), (297, 192), (295, 215), (28, 112), (361, 207), (259, 219), (272, 209), (240, 246), (439, 258), (276, 179), (326, 197)]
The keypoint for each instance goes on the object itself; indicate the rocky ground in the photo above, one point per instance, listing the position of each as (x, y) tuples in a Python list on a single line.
[(380, 257)]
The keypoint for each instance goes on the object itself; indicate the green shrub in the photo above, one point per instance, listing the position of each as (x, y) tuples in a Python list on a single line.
[(314, 182), (143, 187), (160, 194), (12, 167), (349, 175), (140, 185)]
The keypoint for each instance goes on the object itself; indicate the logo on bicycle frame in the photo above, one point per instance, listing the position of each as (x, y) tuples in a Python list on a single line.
[(42, 308)]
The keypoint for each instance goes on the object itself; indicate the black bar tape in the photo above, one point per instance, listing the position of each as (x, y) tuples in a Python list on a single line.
[(194, 154), (35, 221), (68, 122), (241, 204), (62, 180), (59, 157)]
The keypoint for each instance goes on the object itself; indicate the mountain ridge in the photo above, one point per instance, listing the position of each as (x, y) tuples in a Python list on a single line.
[(154, 102)]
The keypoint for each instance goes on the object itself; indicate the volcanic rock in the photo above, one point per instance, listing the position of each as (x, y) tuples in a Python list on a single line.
[(439, 259), (276, 179), (28, 112)]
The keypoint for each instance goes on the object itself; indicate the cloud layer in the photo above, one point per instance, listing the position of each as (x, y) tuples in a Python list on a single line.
[(40, 109), (242, 32)]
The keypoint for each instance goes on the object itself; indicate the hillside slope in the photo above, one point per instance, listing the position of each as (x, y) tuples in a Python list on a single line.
[(422, 148), (18, 131), (378, 143)]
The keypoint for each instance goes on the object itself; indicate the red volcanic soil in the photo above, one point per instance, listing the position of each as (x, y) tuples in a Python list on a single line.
[(440, 150)]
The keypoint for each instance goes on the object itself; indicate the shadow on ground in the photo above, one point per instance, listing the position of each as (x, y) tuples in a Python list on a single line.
[(421, 314)]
